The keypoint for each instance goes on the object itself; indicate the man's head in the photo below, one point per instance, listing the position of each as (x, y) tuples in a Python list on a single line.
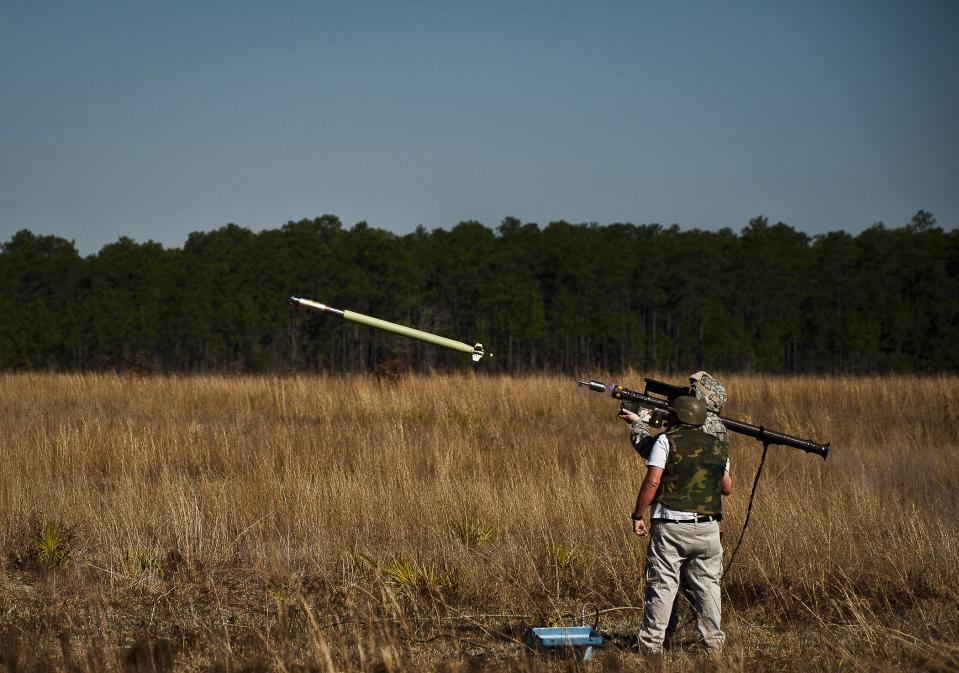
[(709, 390), (688, 410)]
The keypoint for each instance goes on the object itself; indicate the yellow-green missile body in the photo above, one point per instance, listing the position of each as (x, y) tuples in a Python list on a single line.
[(476, 352)]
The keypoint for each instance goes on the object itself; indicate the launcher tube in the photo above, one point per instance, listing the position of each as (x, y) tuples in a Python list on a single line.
[(775, 437)]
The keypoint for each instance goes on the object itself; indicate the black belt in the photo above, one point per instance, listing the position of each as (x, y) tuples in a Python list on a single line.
[(701, 518)]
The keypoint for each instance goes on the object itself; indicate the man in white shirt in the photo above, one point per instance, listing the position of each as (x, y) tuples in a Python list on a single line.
[(707, 388), (686, 477)]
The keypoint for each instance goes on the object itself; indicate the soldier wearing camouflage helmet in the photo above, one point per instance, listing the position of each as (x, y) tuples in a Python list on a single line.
[(713, 394), (687, 474), (703, 387)]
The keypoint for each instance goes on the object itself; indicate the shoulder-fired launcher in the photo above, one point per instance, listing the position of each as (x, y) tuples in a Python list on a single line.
[(659, 395)]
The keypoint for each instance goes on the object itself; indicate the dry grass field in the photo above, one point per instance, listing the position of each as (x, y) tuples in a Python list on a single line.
[(350, 524)]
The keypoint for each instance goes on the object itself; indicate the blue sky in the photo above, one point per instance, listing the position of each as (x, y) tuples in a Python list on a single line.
[(153, 120)]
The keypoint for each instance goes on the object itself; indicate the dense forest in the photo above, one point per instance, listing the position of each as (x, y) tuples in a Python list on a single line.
[(564, 297)]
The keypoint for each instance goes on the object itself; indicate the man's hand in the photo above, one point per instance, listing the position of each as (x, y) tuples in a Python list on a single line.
[(639, 528), (628, 416)]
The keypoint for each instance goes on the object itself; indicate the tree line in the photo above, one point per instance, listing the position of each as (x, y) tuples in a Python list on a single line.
[(564, 297)]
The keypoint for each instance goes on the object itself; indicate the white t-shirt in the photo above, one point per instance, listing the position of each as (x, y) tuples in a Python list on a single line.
[(657, 458)]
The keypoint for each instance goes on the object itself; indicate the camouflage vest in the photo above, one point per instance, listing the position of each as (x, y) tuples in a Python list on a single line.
[(694, 471)]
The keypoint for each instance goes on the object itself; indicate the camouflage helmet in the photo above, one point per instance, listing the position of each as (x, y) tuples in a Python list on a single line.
[(689, 410), (709, 390)]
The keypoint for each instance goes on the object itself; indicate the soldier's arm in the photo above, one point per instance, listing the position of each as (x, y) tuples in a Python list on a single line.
[(638, 432), (647, 491), (640, 438), (639, 435), (726, 485)]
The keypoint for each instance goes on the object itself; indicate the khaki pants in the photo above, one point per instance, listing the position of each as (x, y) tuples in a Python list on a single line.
[(693, 551)]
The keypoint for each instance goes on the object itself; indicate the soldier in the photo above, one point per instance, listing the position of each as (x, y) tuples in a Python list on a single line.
[(705, 388), (713, 394), (687, 475)]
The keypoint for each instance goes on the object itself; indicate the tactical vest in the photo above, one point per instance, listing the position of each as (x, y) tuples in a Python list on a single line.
[(694, 471)]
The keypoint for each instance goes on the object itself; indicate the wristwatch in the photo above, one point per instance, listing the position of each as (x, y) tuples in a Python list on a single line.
[(634, 517)]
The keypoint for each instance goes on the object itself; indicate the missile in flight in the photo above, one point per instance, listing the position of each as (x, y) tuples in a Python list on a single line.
[(476, 352)]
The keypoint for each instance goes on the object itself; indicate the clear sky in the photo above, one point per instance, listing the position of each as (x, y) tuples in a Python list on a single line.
[(155, 119)]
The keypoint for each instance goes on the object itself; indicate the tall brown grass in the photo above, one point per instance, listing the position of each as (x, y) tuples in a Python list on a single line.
[(338, 523)]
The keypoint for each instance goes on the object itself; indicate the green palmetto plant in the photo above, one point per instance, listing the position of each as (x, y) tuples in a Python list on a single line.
[(415, 576), (142, 559), (54, 546), (561, 558), (473, 533)]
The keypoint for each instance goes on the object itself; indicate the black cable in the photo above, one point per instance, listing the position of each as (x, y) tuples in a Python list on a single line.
[(749, 510)]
